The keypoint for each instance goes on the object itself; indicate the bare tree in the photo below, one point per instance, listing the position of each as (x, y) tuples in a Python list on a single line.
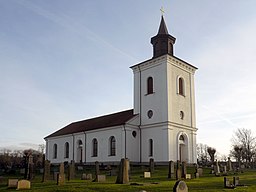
[(202, 154), (243, 143), (211, 151)]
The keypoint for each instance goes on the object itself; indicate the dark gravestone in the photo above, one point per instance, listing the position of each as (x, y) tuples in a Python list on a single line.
[(171, 170), (47, 171), (71, 170), (30, 167), (178, 171), (123, 174), (180, 186), (97, 168), (183, 169), (151, 165)]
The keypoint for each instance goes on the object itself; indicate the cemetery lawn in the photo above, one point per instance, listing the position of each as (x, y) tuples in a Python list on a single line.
[(158, 182)]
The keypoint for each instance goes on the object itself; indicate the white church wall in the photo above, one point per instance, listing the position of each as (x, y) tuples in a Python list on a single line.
[(103, 136), (177, 102), (60, 141), (132, 143), (159, 135)]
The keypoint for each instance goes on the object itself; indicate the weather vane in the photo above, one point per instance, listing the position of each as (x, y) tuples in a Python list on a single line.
[(162, 10)]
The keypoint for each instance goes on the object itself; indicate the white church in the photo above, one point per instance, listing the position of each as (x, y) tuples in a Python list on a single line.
[(162, 124)]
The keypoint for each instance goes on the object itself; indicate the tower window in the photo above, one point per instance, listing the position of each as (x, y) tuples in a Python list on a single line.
[(55, 151), (112, 146), (94, 147), (181, 115), (150, 147), (181, 86), (150, 114), (150, 85), (66, 150)]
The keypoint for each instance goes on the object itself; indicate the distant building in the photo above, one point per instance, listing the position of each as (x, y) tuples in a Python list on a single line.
[(161, 126)]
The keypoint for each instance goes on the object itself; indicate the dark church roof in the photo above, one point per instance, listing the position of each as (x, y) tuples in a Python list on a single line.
[(111, 120)]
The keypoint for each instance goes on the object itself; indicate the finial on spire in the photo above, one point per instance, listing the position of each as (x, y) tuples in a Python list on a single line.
[(162, 11)]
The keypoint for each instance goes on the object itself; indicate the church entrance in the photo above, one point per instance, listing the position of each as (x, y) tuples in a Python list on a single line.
[(79, 151), (183, 149)]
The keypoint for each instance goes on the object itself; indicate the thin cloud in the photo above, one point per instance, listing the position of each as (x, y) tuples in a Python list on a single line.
[(73, 25)]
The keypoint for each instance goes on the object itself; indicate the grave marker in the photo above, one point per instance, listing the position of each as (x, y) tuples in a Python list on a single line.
[(171, 170), (147, 174), (12, 183), (123, 174), (47, 171), (71, 170), (180, 186), (23, 184)]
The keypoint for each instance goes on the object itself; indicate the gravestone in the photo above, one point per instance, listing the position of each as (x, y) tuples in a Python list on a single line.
[(196, 174), (71, 170), (151, 165), (101, 178), (83, 177), (61, 175), (86, 176), (147, 174), (183, 169), (217, 169), (171, 170), (61, 169), (47, 171), (225, 170), (61, 179), (188, 176), (229, 164), (30, 167), (123, 174), (12, 183), (23, 184), (178, 171), (97, 169), (200, 171), (228, 184), (180, 186), (236, 182)]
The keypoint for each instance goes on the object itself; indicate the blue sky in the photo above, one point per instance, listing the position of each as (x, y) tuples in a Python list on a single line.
[(63, 61)]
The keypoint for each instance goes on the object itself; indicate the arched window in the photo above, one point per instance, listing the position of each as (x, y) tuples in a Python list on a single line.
[(66, 150), (55, 151), (150, 147), (181, 86), (94, 147), (112, 144), (150, 85)]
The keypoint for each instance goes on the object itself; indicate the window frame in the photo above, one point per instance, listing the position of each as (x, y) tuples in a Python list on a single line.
[(66, 150), (94, 147), (55, 151), (150, 85), (112, 146), (151, 148)]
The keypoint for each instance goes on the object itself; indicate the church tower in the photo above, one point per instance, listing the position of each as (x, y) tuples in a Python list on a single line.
[(164, 99)]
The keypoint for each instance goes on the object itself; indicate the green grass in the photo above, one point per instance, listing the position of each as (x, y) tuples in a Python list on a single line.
[(158, 182)]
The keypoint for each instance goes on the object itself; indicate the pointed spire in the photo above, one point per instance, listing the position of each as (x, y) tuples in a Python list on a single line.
[(163, 42), (162, 28)]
